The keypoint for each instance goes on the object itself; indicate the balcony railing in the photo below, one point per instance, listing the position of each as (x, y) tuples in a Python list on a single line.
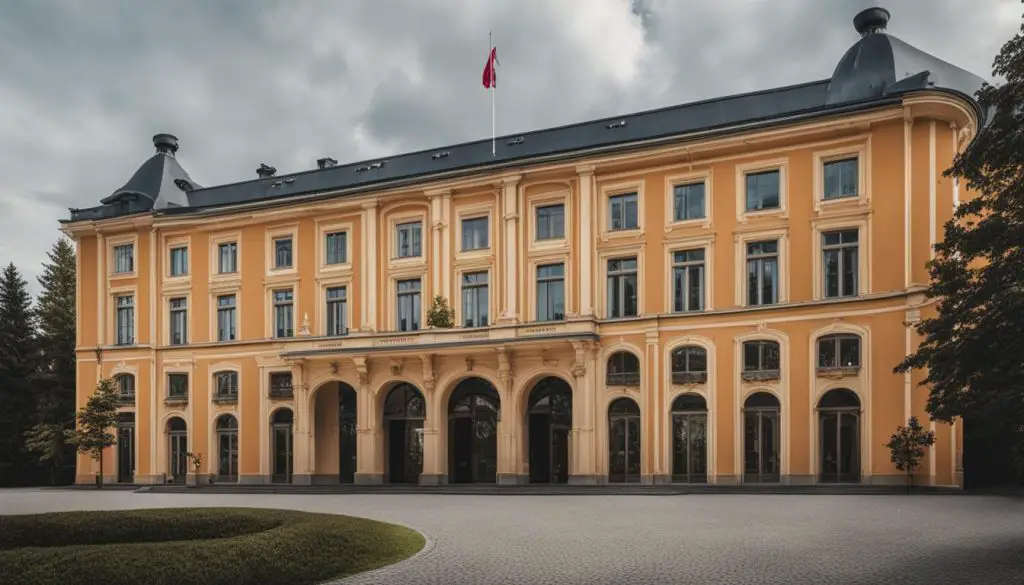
[(836, 372), (689, 377), (176, 399), (282, 392), (225, 398), (760, 375), (623, 379), (126, 399)]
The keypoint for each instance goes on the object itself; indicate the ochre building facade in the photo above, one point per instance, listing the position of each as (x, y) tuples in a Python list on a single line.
[(716, 292)]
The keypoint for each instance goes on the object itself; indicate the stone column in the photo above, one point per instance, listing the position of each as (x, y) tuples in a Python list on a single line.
[(582, 442), (370, 260), (510, 426), (586, 241), (435, 468), (369, 437), (510, 267)]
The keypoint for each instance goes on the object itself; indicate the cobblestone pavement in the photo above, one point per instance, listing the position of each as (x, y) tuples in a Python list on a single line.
[(706, 539)]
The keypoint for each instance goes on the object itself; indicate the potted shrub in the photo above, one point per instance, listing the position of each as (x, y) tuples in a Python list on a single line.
[(196, 459), (440, 315)]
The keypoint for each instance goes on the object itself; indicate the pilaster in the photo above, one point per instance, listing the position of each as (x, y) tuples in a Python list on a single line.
[(302, 467), (583, 439), (369, 461), (510, 267), (439, 235), (370, 260), (586, 241), (510, 454)]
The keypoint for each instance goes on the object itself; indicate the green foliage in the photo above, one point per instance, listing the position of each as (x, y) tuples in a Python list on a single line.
[(55, 309), (972, 347), (209, 546), (440, 315), (907, 445), (18, 363), (95, 421), (46, 441)]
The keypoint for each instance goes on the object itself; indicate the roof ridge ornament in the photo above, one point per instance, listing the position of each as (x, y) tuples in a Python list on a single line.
[(871, 21)]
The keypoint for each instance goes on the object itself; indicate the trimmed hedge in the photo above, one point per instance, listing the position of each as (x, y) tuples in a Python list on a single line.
[(204, 546)]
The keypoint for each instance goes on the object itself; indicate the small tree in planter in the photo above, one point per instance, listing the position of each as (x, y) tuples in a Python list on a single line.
[(440, 314), (196, 459), (906, 447), (95, 420)]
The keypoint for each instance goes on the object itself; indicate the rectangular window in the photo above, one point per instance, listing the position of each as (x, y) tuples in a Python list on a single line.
[(763, 191), (841, 178), (763, 273), (839, 251), (125, 319), (283, 252), (474, 299), (337, 305), (281, 385), (761, 356), (126, 386), (179, 321), (124, 258), (622, 282), (623, 213), (409, 305), (179, 261), (838, 351), (177, 386), (551, 292), (551, 222), (410, 239), (336, 247), (688, 201), (227, 258), (226, 318), (688, 280), (227, 385), (474, 234), (284, 313)]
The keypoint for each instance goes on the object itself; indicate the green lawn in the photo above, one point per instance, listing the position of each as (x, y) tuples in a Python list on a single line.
[(201, 546)]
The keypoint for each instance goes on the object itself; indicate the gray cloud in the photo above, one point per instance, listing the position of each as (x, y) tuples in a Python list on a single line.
[(83, 86)]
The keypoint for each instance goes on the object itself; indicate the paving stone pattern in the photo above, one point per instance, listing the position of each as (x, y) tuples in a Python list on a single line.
[(706, 539)]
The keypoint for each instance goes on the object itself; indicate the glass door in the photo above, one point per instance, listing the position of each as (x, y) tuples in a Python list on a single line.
[(178, 458), (126, 453), (840, 446), (227, 447), (282, 445), (761, 446), (559, 454)]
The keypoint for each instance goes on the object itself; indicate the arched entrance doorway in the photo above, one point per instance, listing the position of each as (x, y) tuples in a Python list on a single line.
[(689, 439), (227, 448), (125, 447), (839, 436), (281, 445), (177, 436), (761, 438), (404, 412), (473, 411), (623, 441), (346, 433), (549, 418)]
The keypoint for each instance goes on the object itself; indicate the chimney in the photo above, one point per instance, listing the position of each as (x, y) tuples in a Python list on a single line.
[(166, 144), (326, 162), (265, 171), (871, 21)]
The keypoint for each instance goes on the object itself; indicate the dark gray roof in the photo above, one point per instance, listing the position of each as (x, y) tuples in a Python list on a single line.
[(877, 70)]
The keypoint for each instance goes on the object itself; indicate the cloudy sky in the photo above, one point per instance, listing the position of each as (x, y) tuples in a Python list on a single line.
[(85, 85)]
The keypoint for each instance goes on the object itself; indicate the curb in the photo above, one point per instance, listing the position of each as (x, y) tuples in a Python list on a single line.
[(428, 545)]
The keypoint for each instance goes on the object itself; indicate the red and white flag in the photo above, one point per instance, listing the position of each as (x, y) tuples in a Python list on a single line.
[(490, 73)]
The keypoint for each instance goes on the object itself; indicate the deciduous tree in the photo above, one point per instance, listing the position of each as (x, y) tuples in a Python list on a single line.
[(906, 447), (95, 421)]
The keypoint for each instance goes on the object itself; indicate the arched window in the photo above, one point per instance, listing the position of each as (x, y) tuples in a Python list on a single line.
[(623, 441), (839, 352), (689, 365), (623, 369), (226, 387), (125, 388), (761, 360)]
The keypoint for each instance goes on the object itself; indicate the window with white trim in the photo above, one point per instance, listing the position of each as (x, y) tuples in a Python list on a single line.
[(839, 262), (226, 318), (284, 313), (474, 234), (841, 177), (550, 221), (761, 360), (622, 287), (688, 280), (409, 239), (763, 273), (227, 258), (283, 252), (688, 201), (179, 321), (125, 319), (474, 299), (623, 212), (124, 258), (179, 261), (763, 190), (839, 351), (551, 292), (337, 307), (409, 304), (336, 248)]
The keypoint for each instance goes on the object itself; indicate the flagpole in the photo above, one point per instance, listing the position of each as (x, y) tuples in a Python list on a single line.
[(490, 48)]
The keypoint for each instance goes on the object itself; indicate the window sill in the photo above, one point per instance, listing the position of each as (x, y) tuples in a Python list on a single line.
[(176, 401), (225, 399), (281, 394), (761, 376), (689, 378), (839, 372)]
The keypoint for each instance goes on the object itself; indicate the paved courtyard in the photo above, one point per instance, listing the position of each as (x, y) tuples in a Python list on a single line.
[(706, 539)]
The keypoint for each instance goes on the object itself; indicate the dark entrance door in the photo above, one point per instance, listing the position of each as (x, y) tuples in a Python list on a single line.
[(689, 439), (404, 412), (761, 439), (839, 436), (281, 445), (126, 447), (227, 448), (473, 432), (623, 441), (177, 434), (346, 433), (549, 420)]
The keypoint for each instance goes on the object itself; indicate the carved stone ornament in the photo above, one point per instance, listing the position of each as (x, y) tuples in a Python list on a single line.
[(304, 329), (334, 366), (396, 367)]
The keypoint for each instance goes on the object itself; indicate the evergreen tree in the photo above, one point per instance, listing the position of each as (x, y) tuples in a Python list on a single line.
[(18, 362), (55, 310), (973, 347), (95, 421)]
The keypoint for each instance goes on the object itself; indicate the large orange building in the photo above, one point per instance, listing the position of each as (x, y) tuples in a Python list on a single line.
[(712, 292)]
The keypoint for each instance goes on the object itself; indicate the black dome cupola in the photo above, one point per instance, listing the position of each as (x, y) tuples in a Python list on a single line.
[(871, 21)]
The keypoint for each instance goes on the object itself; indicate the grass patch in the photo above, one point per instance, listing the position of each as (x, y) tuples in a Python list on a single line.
[(202, 546)]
